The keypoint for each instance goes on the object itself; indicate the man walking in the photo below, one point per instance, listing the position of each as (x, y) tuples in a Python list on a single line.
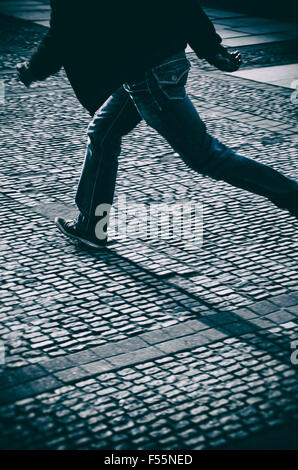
[(126, 62)]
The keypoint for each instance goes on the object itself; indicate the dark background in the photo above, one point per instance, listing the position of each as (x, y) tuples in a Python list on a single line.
[(288, 9)]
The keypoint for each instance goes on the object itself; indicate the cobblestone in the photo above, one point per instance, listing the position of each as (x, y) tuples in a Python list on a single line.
[(245, 407), (146, 345)]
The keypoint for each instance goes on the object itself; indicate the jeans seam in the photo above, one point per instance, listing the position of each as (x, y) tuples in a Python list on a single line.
[(171, 98), (151, 94), (168, 82), (169, 62)]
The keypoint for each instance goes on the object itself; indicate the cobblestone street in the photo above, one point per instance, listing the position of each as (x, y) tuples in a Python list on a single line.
[(146, 344)]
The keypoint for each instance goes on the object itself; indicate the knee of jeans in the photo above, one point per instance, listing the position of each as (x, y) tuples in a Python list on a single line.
[(95, 134), (102, 140)]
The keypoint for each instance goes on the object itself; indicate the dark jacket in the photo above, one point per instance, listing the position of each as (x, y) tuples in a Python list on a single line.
[(103, 43)]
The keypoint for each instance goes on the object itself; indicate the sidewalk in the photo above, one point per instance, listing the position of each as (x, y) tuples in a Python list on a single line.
[(145, 345)]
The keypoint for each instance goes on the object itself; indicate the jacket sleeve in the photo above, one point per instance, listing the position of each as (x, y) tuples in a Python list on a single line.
[(47, 59), (202, 36)]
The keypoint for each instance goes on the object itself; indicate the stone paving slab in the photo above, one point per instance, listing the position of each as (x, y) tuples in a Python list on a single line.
[(251, 21), (281, 75), (215, 13), (209, 328), (202, 398), (260, 39), (268, 28)]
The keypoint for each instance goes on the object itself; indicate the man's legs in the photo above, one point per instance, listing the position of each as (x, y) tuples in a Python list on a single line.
[(116, 118), (160, 99), (162, 102)]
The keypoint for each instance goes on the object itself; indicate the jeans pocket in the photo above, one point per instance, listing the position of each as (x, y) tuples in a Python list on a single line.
[(171, 78)]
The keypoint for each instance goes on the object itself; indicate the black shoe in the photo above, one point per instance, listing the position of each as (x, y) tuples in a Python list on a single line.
[(71, 229)]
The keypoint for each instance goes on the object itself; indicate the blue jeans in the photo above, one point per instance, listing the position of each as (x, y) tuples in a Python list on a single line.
[(159, 97)]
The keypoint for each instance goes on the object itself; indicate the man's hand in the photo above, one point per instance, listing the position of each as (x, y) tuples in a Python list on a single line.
[(25, 74), (226, 61)]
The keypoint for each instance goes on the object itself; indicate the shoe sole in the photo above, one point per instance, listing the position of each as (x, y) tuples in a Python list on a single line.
[(84, 241)]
